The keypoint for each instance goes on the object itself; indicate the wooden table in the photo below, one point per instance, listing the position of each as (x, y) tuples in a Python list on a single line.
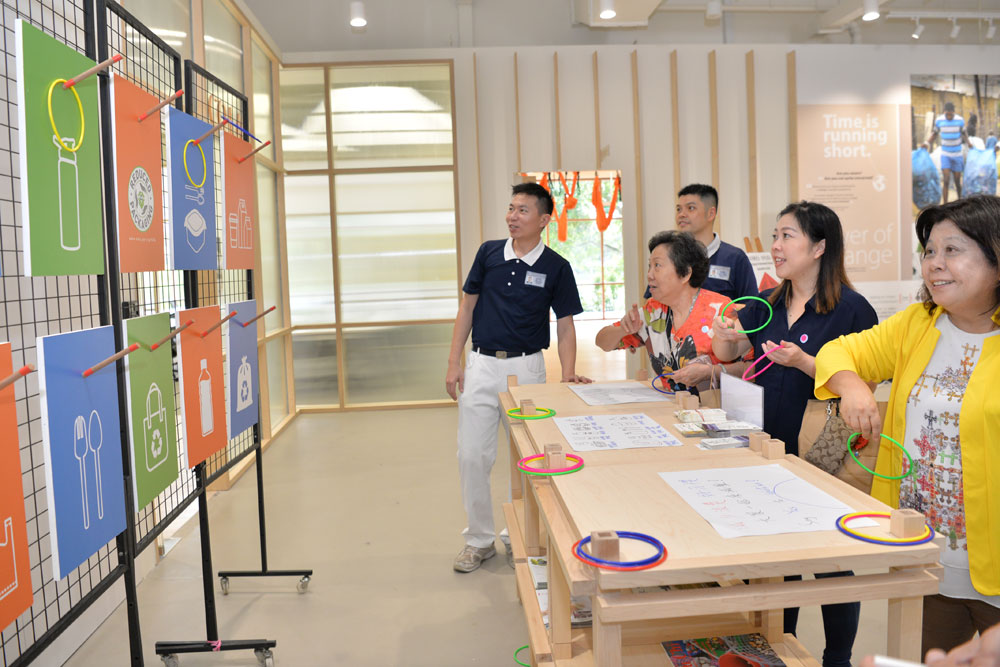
[(621, 490)]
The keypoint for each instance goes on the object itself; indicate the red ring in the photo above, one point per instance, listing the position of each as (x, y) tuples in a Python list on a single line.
[(615, 567)]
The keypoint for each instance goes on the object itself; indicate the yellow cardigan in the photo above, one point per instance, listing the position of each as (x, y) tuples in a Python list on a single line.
[(899, 349)]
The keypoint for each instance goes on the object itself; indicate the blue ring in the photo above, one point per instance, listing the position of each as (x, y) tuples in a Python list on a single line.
[(662, 391), (883, 543), (642, 537)]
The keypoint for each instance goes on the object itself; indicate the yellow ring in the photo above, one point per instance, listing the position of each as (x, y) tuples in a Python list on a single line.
[(851, 517), (52, 118), (204, 166)]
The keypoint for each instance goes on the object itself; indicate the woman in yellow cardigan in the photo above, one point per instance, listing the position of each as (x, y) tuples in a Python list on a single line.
[(943, 356)]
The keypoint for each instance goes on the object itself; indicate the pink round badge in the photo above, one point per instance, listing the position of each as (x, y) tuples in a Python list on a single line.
[(803, 338)]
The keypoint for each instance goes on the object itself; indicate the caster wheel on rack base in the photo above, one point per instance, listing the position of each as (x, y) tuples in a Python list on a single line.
[(169, 660), (303, 584), (264, 657), (224, 584)]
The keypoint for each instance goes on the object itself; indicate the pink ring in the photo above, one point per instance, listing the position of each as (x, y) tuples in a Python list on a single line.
[(756, 361), (549, 471)]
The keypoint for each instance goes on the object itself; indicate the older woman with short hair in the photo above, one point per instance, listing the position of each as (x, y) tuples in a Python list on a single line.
[(943, 356)]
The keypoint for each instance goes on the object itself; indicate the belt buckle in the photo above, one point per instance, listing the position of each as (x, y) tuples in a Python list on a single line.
[(501, 354)]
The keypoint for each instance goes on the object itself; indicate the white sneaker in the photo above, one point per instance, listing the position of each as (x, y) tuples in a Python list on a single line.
[(470, 558)]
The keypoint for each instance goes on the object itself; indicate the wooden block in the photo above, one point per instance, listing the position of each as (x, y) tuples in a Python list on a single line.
[(555, 457), (528, 408), (642, 375), (906, 523), (604, 544), (773, 449), (679, 396), (757, 441), (690, 403), (511, 381)]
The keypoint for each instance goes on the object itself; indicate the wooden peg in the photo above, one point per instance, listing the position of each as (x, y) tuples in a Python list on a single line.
[(747, 244), (604, 545), (757, 440), (528, 408), (162, 104), (254, 319), (511, 381), (170, 335), (16, 375), (690, 403), (555, 457), (253, 152), (93, 70), (215, 128), (773, 449), (642, 375), (110, 360), (218, 324), (906, 523)]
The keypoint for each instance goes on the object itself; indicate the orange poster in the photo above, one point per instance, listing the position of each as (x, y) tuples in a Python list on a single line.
[(239, 203), (15, 569), (138, 178), (849, 160), (203, 395)]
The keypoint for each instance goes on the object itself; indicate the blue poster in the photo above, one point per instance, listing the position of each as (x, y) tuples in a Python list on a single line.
[(192, 192), (81, 438), (243, 395)]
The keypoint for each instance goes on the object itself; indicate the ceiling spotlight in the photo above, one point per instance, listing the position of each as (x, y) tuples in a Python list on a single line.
[(917, 30), (608, 9), (955, 28), (713, 10), (991, 30), (871, 10), (358, 19)]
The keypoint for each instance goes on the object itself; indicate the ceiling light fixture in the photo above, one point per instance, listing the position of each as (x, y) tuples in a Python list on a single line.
[(991, 30), (955, 28), (871, 10), (608, 9), (358, 19), (917, 30), (713, 10)]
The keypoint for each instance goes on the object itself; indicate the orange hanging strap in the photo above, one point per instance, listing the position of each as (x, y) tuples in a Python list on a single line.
[(571, 200), (562, 218), (604, 220)]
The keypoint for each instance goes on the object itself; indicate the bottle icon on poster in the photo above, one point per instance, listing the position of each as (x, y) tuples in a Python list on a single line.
[(8, 561), (241, 228), (205, 399), (68, 179), (244, 388)]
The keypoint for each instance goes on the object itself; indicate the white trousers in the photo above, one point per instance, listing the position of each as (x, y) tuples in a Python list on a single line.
[(479, 415)]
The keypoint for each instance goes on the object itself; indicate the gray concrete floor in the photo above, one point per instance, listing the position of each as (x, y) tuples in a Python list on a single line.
[(370, 501)]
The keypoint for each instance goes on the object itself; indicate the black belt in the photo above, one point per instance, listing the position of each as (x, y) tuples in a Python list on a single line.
[(502, 354)]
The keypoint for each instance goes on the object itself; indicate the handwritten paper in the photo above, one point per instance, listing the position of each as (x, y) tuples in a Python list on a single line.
[(597, 432), (617, 393), (756, 500)]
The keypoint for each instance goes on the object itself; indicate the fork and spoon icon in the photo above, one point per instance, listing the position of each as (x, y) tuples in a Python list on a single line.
[(88, 436)]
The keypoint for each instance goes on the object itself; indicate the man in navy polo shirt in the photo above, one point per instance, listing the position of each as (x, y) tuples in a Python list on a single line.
[(508, 293)]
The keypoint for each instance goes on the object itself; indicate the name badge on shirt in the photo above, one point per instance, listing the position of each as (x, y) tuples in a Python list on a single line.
[(719, 272), (534, 279)]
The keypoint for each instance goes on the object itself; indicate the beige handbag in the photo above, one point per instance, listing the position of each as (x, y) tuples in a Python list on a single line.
[(815, 428)]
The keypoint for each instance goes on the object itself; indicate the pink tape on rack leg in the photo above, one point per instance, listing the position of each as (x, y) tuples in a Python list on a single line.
[(757, 361)]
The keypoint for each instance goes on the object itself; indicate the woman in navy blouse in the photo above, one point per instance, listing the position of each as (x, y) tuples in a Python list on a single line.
[(814, 304)]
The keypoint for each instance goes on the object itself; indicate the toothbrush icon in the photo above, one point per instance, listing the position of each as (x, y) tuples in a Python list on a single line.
[(80, 448), (98, 435)]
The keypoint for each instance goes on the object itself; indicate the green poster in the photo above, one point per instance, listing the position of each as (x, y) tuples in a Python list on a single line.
[(60, 157), (152, 412)]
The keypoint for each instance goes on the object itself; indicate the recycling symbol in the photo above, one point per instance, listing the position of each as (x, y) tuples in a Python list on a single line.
[(156, 446)]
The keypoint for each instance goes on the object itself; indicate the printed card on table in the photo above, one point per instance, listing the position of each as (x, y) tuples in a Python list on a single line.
[(81, 437), (60, 158), (15, 569), (138, 178), (149, 380), (203, 396), (239, 212), (243, 395), (192, 192)]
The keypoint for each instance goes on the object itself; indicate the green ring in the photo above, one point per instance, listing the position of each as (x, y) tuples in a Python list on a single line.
[(523, 664), (515, 413), (550, 474), (909, 471), (757, 298)]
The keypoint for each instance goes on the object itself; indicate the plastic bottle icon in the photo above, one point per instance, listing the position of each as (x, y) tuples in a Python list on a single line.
[(8, 561), (68, 177), (205, 399)]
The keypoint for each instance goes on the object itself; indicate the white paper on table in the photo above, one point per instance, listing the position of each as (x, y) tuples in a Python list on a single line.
[(756, 500), (597, 432), (742, 400), (616, 393)]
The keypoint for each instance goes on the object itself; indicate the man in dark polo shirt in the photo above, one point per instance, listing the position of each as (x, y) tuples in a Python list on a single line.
[(729, 271), (508, 293)]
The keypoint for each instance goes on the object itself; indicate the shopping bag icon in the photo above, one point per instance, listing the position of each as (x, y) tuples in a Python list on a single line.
[(244, 388), (154, 428)]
